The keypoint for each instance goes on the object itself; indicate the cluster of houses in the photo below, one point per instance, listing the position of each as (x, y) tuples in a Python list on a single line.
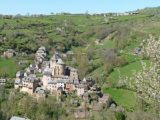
[(52, 76)]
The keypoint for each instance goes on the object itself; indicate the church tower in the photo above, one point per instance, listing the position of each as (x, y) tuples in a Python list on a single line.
[(57, 65)]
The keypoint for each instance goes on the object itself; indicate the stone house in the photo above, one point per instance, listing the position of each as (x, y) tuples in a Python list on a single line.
[(29, 84), (40, 92), (2, 81), (52, 86), (80, 90), (70, 86), (61, 84), (137, 51), (41, 55), (17, 83), (20, 74), (9, 53), (32, 69), (46, 76), (72, 73)]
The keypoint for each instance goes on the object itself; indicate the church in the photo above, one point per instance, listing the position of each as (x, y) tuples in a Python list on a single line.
[(57, 75)]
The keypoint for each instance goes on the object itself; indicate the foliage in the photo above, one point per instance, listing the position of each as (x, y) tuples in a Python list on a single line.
[(146, 82)]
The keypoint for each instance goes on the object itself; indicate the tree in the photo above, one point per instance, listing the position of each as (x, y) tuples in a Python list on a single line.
[(147, 82)]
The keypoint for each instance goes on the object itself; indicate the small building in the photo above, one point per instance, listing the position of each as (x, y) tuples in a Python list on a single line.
[(40, 92), (70, 86), (46, 76), (61, 84), (2, 81), (17, 83), (52, 86), (41, 55), (72, 73), (9, 53), (137, 51), (20, 74), (59, 91), (80, 90), (29, 84)]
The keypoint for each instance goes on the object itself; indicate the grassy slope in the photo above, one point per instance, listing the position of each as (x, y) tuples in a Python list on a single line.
[(126, 71), (123, 97), (8, 67)]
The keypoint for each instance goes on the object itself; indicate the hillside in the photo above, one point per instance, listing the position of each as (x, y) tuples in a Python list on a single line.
[(103, 46)]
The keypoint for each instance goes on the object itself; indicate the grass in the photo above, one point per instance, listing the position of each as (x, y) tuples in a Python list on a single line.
[(8, 68), (125, 98), (131, 17), (131, 58), (125, 71)]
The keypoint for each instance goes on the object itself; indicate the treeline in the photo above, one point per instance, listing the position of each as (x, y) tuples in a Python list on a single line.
[(13, 103)]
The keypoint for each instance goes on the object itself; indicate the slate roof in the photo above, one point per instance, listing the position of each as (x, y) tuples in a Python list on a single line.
[(19, 73), (40, 90), (60, 62), (47, 71), (76, 82), (52, 82), (55, 57), (31, 78), (63, 79), (42, 48)]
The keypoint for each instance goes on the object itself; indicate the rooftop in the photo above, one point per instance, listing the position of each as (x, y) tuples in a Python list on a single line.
[(31, 78), (47, 71), (55, 56), (60, 62), (40, 90)]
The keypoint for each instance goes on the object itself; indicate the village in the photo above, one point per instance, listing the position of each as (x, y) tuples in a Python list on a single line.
[(53, 77)]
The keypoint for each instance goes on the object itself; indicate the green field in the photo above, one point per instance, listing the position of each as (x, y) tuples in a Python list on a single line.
[(8, 68), (125, 71), (125, 98)]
